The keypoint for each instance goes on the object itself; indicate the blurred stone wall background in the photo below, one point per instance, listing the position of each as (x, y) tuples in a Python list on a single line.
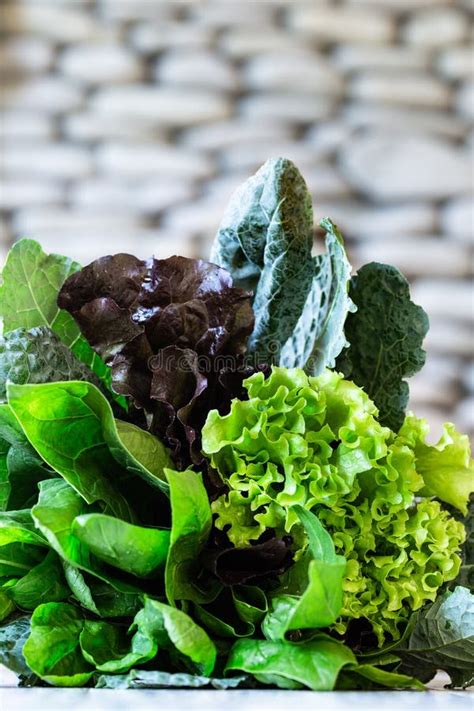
[(126, 124)]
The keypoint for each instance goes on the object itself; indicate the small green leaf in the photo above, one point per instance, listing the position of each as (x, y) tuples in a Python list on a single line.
[(13, 636), (43, 583), (109, 649), (191, 524), (315, 664), (137, 550), (52, 650)]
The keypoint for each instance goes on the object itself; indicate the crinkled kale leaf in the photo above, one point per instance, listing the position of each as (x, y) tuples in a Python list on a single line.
[(385, 336)]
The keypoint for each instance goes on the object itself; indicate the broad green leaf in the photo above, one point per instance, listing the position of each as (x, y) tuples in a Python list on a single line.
[(265, 241), (13, 635), (92, 457), (319, 603), (58, 505), (109, 649), (222, 618), (191, 521), (443, 638), (250, 603), (6, 607), (385, 336), (137, 550), (21, 468), (315, 664), (143, 679), (381, 678), (43, 583), (52, 650), (100, 597), (174, 630), (21, 546), (28, 298), (318, 336)]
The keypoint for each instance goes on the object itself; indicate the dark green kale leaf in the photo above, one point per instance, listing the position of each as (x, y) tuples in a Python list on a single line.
[(385, 336), (443, 638), (265, 241), (37, 355), (144, 679), (318, 337)]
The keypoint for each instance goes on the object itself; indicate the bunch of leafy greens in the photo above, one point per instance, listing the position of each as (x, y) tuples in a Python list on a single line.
[(191, 497)]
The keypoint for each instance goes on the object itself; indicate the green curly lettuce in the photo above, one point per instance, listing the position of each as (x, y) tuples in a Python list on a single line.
[(317, 442)]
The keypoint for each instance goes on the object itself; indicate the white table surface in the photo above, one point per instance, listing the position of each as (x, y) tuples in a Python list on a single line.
[(49, 699)]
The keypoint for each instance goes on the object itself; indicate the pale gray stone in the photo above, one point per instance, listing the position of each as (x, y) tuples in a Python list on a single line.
[(95, 126), (223, 134), (343, 23), (436, 27), (146, 197), (465, 99), (279, 106), (200, 217), (464, 415), (251, 155), (457, 219), (196, 68), (165, 105), (402, 222), (100, 63), (425, 256), (215, 13), (21, 125), (354, 57), (404, 120), (153, 159), (326, 137), (150, 37), (295, 71), (132, 10), (445, 298), (402, 5), (448, 337), (54, 160), (388, 167), (49, 94), (56, 21), (67, 224), (456, 62), (17, 193), (424, 390), (325, 181), (468, 378), (414, 89), (243, 43), (29, 55)]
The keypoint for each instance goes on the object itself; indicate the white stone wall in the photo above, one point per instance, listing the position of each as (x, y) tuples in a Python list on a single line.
[(127, 123)]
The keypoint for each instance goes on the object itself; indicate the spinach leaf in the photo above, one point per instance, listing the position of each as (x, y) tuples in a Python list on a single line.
[(250, 603), (20, 466), (191, 520), (320, 603), (108, 648), (144, 679), (52, 650), (222, 618), (265, 241), (318, 336), (443, 638), (137, 550), (315, 664), (13, 636), (71, 426), (6, 605), (21, 546), (385, 336), (38, 356), (54, 514), (43, 583), (377, 678), (175, 631), (28, 298)]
